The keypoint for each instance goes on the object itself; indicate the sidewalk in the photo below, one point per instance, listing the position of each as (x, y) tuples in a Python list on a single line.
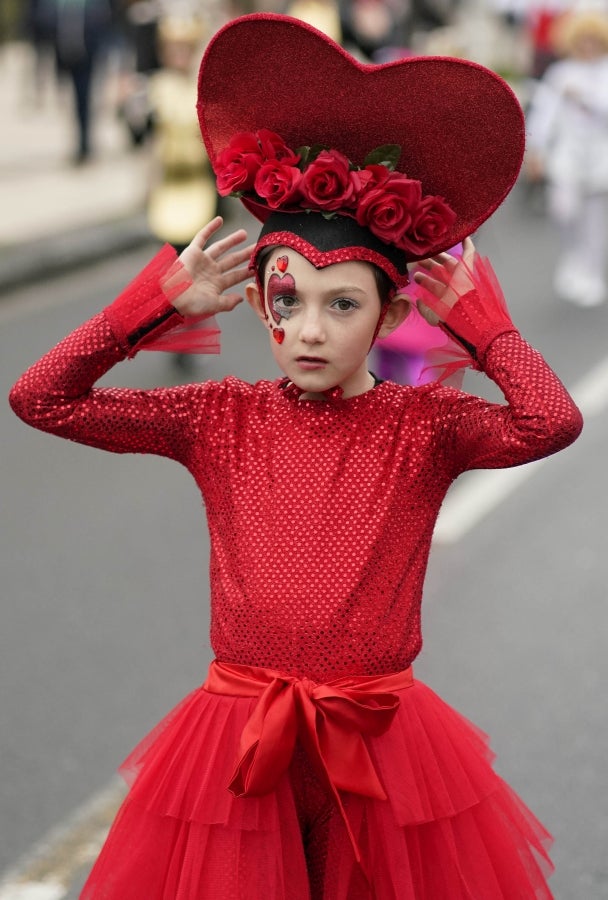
[(55, 215)]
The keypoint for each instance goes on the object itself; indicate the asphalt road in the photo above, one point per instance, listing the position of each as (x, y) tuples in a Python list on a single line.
[(104, 587)]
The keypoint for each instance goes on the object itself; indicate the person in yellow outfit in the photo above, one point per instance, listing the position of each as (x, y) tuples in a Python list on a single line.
[(182, 195), (323, 14)]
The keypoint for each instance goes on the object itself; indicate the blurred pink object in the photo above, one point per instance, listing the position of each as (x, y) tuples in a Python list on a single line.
[(405, 355), (402, 355)]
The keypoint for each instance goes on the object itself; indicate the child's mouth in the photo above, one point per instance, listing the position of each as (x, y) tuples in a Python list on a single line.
[(311, 362)]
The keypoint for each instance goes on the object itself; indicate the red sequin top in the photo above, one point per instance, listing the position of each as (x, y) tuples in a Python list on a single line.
[(320, 512)]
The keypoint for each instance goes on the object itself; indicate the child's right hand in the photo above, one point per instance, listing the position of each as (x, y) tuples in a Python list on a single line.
[(446, 277), (212, 272)]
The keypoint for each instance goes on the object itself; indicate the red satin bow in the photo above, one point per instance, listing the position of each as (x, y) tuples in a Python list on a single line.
[(329, 719)]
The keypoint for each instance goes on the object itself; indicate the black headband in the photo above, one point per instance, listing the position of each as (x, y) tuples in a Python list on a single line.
[(327, 241)]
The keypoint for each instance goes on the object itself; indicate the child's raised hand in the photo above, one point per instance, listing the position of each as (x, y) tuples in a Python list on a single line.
[(214, 270), (448, 279)]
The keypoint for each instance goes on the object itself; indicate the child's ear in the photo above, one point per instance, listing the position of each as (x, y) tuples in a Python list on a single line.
[(397, 312), (256, 301)]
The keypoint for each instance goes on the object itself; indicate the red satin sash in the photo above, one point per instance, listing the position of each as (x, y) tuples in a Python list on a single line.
[(329, 719)]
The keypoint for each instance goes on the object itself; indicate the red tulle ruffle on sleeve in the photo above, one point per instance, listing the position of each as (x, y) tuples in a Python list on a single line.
[(478, 317), (142, 316)]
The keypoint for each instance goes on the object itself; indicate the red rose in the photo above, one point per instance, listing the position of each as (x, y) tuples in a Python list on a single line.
[(237, 165), (388, 210), (327, 183), (431, 222), (370, 177), (277, 184), (274, 147)]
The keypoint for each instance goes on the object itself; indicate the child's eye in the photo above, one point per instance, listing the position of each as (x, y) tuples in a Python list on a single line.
[(344, 304), (285, 301)]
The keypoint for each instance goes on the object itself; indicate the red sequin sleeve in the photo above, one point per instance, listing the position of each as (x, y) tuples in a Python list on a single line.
[(57, 395), (538, 419)]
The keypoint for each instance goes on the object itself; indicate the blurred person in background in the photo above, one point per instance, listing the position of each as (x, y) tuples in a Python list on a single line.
[(322, 14), (37, 26), (182, 194), (385, 30), (369, 26), (541, 18), (567, 127), (79, 31), (141, 26), (139, 20)]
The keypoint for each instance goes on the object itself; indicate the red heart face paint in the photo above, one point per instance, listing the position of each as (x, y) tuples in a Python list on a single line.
[(280, 286), (278, 334), (282, 263)]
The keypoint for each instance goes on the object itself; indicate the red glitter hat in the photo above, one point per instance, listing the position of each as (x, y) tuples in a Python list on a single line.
[(417, 152)]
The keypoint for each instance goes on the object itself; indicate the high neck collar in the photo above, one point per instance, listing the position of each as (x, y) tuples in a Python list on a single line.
[(292, 390), (332, 395)]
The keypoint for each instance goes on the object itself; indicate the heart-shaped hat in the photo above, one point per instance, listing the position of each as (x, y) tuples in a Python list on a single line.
[(455, 128)]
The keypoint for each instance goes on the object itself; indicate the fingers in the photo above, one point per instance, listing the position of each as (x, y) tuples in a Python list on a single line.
[(207, 231), (229, 301), (218, 248), (235, 276), (442, 259), (428, 314), (468, 249), (431, 284), (447, 259), (237, 258)]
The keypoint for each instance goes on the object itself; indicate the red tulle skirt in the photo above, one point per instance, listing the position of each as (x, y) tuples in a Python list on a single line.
[(450, 829)]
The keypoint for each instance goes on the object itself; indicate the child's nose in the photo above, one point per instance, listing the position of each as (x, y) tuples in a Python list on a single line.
[(311, 328)]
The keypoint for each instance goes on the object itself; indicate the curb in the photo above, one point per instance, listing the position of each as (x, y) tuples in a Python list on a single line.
[(25, 264)]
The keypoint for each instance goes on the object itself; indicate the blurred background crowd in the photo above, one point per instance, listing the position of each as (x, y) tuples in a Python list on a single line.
[(115, 48), (120, 77)]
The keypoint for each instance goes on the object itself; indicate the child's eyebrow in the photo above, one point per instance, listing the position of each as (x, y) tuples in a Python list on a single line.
[(344, 289)]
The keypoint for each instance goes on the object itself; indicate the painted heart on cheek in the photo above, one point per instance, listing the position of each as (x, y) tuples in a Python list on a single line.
[(279, 335), (279, 285)]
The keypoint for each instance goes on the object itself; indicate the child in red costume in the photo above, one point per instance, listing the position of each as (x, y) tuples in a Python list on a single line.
[(311, 765)]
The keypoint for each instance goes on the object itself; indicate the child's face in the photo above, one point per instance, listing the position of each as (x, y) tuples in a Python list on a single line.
[(322, 321)]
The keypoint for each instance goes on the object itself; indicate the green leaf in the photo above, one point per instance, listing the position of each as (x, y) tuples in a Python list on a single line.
[(314, 152), (387, 155), (303, 153)]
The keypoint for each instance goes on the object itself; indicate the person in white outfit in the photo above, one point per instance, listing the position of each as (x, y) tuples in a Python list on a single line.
[(567, 142)]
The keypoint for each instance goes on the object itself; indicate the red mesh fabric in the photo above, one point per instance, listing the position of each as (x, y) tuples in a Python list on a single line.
[(142, 317), (198, 334), (450, 829), (185, 766), (478, 316)]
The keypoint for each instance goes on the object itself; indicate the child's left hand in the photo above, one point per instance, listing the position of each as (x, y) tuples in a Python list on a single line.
[(449, 280), (213, 270)]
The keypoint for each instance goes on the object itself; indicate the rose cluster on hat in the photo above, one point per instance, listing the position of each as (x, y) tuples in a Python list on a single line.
[(414, 154), (321, 179)]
